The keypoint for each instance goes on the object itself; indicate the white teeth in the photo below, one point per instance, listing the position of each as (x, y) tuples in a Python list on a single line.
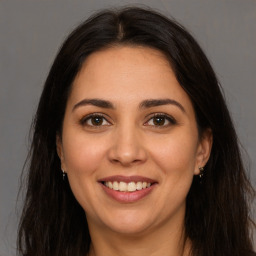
[(115, 185), (127, 187), (122, 186), (131, 186), (110, 185), (139, 186)]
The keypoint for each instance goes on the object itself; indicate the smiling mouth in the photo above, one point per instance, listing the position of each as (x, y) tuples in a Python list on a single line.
[(127, 187)]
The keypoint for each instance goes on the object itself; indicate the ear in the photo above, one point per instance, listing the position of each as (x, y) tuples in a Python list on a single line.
[(60, 152), (203, 150)]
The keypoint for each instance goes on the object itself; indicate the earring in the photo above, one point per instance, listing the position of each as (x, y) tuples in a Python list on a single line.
[(201, 169), (63, 174), (201, 174)]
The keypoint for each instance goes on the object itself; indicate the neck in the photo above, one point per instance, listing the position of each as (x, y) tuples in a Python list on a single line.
[(158, 242)]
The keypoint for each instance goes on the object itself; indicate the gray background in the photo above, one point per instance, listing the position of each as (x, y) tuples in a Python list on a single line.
[(31, 33)]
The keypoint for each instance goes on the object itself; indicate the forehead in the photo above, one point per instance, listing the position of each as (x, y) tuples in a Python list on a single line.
[(127, 73), (129, 54)]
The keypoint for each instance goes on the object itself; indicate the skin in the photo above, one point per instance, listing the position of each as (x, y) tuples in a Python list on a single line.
[(129, 141)]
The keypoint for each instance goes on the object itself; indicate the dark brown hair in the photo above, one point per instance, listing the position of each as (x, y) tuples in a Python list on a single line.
[(217, 219)]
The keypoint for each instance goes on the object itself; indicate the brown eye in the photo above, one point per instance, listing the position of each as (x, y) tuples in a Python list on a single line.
[(159, 120), (95, 120)]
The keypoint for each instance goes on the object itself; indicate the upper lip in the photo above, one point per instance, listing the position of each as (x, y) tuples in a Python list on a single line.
[(127, 179)]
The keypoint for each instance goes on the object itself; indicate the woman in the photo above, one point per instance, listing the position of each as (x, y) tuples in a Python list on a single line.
[(134, 151)]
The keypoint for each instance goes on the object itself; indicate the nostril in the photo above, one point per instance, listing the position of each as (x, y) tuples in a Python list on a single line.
[(126, 162), (127, 151)]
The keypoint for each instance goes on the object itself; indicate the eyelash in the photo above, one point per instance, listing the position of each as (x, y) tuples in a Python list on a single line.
[(165, 117), (85, 119)]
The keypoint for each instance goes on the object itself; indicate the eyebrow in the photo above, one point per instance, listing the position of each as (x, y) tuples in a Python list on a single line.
[(160, 102), (144, 104), (94, 102)]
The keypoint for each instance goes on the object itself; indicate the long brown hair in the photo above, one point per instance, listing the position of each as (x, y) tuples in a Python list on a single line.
[(217, 217)]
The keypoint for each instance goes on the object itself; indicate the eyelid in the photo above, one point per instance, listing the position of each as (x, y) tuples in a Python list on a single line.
[(84, 119), (171, 119)]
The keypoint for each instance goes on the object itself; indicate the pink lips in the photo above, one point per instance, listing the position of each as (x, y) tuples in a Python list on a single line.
[(127, 197)]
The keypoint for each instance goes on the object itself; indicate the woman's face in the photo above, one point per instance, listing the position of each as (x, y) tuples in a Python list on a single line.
[(130, 143)]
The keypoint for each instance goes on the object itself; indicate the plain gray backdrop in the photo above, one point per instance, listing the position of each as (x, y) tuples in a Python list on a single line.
[(31, 33)]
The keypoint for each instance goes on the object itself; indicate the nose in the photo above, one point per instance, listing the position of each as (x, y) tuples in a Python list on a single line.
[(127, 147)]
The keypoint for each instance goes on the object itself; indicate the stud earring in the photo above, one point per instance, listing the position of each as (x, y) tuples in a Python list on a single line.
[(63, 174), (201, 174), (201, 169)]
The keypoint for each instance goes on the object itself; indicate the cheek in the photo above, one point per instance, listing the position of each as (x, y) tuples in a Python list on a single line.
[(82, 155), (176, 154), (175, 158)]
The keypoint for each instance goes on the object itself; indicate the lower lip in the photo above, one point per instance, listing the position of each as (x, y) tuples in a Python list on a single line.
[(127, 197)]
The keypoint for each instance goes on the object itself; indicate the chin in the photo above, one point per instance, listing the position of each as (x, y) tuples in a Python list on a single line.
[(130, 229), (129, 223)]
